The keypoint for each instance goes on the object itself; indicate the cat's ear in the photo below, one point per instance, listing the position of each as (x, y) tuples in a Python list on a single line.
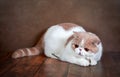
[(76, 34), (96, 41)]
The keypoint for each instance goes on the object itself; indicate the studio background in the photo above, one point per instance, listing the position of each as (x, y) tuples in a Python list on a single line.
[(22, 21)]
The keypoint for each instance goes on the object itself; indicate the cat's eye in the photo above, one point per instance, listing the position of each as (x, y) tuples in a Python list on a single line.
[(76, 46), (86, 49)]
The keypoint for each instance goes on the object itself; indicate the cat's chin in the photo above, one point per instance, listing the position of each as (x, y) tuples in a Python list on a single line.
[(80, 54)]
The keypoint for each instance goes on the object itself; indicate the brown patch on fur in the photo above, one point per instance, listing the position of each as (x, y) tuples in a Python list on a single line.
[(91, 43), (68, 26), (69, 39), (34, 51), (26, 52), (77, 39)]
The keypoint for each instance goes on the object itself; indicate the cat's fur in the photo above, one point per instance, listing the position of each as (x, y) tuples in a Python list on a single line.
[(67, 42)]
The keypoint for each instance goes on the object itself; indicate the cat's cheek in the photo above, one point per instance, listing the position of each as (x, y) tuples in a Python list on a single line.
[(77, 51), (89, 54)]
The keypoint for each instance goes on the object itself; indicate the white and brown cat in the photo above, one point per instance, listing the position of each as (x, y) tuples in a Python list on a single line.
[(67, 42)]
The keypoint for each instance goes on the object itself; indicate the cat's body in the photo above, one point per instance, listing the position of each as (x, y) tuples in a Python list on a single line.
[(67, 42)]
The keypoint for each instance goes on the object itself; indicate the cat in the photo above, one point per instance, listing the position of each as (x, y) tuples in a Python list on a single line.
[(67, 42)]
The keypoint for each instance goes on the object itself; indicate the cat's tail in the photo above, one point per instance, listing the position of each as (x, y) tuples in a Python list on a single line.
[(26, 52), (36, 50)]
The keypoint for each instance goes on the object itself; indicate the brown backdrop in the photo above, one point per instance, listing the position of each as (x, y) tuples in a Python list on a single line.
[(22, 21)]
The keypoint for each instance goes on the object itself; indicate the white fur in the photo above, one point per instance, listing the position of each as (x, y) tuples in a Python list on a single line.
[(82, 42), (23, 53), (55, 39), (98, 55), (29, 52)]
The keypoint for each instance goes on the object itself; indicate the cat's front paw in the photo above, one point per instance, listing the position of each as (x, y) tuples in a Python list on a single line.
[(84, 62), (93, 62)]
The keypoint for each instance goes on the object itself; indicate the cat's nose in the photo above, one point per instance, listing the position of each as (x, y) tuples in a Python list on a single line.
[(80, 49)]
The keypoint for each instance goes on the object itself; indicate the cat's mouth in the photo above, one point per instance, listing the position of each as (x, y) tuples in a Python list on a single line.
[(80, 54)]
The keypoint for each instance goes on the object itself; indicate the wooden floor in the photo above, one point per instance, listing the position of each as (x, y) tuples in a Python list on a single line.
[(41, 66)]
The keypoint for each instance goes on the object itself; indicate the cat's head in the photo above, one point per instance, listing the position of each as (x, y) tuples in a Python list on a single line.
[(85, 43)]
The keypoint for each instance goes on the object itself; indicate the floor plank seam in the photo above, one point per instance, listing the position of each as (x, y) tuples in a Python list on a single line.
[(67, 70), (9, 68), (39, 67)]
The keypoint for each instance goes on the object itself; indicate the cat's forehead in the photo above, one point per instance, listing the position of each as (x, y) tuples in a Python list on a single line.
[(85, 36)]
